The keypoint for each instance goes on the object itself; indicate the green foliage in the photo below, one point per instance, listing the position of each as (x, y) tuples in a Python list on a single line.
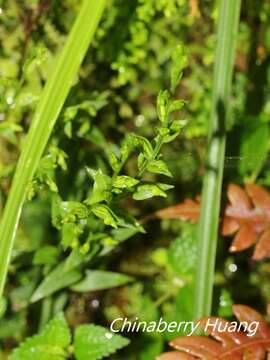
[(90, 342), (50, 344), (129, 141), (100, 280), (253, 147), (64, 275), (148, 191), (95, 342), (183, 252), (46, 255)]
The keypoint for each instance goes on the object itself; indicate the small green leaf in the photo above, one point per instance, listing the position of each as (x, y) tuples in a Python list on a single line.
[(49, 345), (182, 253), (174, 130), (159, 167), (106, 214), (145, 145), (163, 104), (136, 141), (165, 187), (38, 56), (253, 146), (114, 161), (140, 160), (64, 275), (95, 342), (176, 105), (123, 182), (147, 191), (70, 234), (72, 210), (46, 255), (179, 62), (100, 280), (96, 136), (102, 187)]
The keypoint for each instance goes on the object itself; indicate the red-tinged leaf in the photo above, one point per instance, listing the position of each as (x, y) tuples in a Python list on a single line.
[(238, 198), (228, 342), (262, 249), (246, 313), (229, 226), (175, 355), (254, 352), (245, 237), (252, 217), (247, 215), (227, 339), (197, 346), (189, 210), (260, 197)]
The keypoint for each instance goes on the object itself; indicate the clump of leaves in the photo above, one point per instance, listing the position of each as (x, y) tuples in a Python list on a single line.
[(54, 342), (246, 216), (234, 345), (90, 226), (110, 184)]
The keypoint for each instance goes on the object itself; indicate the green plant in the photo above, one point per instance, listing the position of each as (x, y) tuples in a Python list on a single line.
[(49, 107), (54, 342), (81, 247), (211, 196), (84, 224)]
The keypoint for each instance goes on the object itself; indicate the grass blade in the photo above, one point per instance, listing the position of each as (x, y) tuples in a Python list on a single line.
[(212, 184), (48, 109)]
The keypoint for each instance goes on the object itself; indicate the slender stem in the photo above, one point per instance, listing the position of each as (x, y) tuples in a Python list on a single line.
[(49, 107), (209, 220)]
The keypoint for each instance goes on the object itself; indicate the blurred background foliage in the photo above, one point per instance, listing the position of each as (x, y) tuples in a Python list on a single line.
[(115, 93)]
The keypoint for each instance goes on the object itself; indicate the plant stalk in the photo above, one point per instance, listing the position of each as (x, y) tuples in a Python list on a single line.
[(228, 22), (48, 109)]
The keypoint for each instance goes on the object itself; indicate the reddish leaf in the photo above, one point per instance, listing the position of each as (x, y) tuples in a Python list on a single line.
[(238, 198), (229, 226), (248, 215), (197, 346), (228, 343), (260, 197), (262, 249), (188, 210), (175, 355), (245, 237), (246, 313), (227, 339)]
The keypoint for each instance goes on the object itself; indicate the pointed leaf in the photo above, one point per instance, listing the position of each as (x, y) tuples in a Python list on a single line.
[(259, 196), (95, 342), (100, 280), (159, 167), (245, 237), (262, 249), (238, 197), (49, 345)]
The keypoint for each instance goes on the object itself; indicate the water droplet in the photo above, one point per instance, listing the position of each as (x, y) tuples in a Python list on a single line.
[(233, 267), (108, 335)]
